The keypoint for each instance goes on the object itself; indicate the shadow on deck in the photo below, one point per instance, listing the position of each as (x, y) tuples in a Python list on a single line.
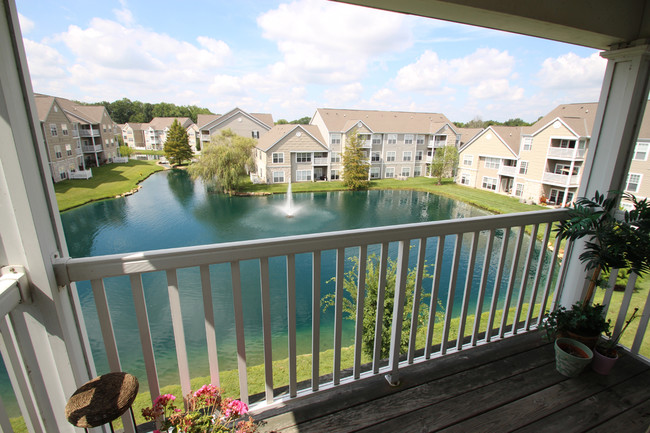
[(509, 385)]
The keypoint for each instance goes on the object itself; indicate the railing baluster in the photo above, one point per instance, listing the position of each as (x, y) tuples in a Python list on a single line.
[(315, 320), (210, 333), (609, 291), (338, 314), (361, 295), (497, 285), (145, 335), (483, 285), (433, 302), (643, 326), (511, 283), (451, 293), (549, 281), (398, 311), (266, 328), (625, 303), (560, 280), (179, 332), (524, 278), (106, 325), (417, 294), (538, 277), (379, 317), (291, 322), (468, 291), (239, 331)]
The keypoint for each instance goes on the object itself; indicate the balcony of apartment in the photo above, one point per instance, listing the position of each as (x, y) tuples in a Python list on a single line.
[(566, 153), (560, 179), (507, 170), (89, 132), (92, 148)]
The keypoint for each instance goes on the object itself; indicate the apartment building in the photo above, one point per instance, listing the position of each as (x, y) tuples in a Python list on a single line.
[(64, 152), (545, 161), (155, 132), (133, 135), (253, 125), (292, 153), (397, 144)]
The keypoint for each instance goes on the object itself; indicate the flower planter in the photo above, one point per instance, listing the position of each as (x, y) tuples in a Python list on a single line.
[(571, 356), (603, 364)]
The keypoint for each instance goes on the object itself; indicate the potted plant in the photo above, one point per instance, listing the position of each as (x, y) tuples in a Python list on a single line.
[(571, 356), (584, 323), (605, 355)]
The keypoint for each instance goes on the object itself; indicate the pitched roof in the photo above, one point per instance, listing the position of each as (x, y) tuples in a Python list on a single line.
[(204, 119), (261, 118), (384, 121), (136, 126), (160, 123), (466, 134), (278, 132), (265, 118), (579, 117), (43, 106), (511, 135)]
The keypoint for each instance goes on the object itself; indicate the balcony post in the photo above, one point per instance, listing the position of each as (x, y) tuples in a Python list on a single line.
[(619, 115), (45, 331)]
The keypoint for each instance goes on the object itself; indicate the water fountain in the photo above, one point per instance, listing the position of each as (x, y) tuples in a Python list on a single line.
[(288, 209)]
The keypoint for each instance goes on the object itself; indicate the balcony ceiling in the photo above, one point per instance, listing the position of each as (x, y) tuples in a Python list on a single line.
[(600, 24)]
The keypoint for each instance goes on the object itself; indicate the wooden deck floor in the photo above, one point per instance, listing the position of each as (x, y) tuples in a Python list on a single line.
[(510, 385)]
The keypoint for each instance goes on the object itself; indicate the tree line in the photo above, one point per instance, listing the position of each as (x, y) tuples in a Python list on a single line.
[(124, 110), (477, 122)]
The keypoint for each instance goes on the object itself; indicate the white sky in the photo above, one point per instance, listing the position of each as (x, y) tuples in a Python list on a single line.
[(290, 58)]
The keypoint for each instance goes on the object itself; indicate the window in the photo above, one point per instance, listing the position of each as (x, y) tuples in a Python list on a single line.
[(489, 183), (406, 156), (390, 172), (419, 140), (335, 138), (336, 157), (303, 175), (334, 175), (565, 169), (104, 127), (418, 155), (528, 143), (364, 139), (406, 171), (278, 177), (57, 151), (519, 190), (563, 143), (64, 129), (392, 139), (390, 156), (278, 158), (465, 179), (62, 173), (523, 167), (641, 151), (303, 157), (53, 130), (376, 138), (68, 149), (440, 141), (492, 163), (468, 160), (374, 172), (375, 156), (633, 182), (255, 134), (417, 171), (408, 139), (557, 197)]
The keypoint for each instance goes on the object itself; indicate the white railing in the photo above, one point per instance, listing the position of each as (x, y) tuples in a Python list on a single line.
[(408, 242), (321, 160), (506, 170), (89, 133), (566, 153), (561, 179), (93, 149), (121, 159), (80, 174)]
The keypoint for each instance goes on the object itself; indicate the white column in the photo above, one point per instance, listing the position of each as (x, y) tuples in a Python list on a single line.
[(47, 327), (620, 111)]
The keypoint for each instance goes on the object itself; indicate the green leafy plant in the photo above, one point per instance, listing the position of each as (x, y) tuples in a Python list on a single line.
[(206, 412), (608, 347), (587, 320)]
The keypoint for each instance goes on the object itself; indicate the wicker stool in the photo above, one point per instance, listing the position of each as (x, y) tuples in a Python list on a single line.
[(102, 400)]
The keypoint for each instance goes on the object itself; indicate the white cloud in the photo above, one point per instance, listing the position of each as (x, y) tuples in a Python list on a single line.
[(343, 95), (328, 42), (571, 71), (44, 61), (496, 89), (26, 25)]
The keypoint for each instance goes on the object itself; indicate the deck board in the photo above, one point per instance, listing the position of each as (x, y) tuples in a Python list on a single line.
[(507, 385)]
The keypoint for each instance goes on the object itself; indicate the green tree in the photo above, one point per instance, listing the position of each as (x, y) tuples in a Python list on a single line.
[(126, 151), (301, 121), (177, 146), (370, 302), (225, 161), (355, 163), (281, 122), (445, 160)]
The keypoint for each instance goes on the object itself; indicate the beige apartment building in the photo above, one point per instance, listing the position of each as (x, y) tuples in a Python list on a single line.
[(133, 135), (253, 125), (545, 161)]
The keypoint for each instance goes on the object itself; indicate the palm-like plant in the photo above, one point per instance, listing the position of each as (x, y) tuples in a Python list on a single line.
[(611, 242)]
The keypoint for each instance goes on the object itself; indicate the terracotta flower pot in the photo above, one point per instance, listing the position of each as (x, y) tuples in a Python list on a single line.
[(571, 356), (602, 364)]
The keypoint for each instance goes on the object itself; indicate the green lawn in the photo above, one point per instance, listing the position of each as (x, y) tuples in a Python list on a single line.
[(108, 181)]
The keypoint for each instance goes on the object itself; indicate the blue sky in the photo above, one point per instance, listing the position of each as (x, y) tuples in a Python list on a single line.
[(290, 58)]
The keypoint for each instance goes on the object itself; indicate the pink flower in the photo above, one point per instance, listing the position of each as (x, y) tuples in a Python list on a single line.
[(235, 408), (162, 400)]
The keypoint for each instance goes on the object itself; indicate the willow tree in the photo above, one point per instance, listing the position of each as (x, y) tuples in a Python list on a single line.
[(355, 163), (225, 161)]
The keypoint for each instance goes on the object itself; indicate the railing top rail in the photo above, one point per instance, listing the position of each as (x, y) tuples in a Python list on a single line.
[(87, 268)]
